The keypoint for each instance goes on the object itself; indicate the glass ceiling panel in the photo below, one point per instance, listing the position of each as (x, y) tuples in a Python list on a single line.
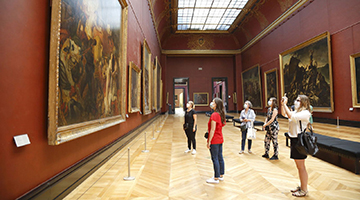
[(208, 14)]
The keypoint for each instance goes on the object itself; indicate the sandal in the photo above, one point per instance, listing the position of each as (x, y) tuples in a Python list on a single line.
[(300, 193), (296, 189)]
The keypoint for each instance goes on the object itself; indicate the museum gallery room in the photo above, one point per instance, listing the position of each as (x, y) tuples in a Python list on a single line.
[(96, 98)]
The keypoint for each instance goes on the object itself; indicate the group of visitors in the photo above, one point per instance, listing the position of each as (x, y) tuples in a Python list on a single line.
[(299, 118)]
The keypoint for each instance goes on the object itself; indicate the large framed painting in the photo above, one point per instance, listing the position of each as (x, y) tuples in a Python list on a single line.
[(87, 72), (158, 85), (306, 69), (201, 99), (271, 84), (146, 71), (161, 94), (355, 79), (154, 82), (251, 84), (134, 88)]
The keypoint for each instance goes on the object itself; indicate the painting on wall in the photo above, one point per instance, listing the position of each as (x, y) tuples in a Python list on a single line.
[(158, 85), (201, 99), (134, 88), (153, 84), (146, 71), (306, 69), (251, 84), (271, 84), (87, 72), (161, 94), (355, 79)]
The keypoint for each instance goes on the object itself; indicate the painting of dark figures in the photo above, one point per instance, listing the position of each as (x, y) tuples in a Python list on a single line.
[(271, 84), (89, 77), (252, 86), (306, 69)]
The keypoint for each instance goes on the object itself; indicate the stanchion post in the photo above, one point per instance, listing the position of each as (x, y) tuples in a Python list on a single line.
[(337, 122), (129, 178), (145, 150)]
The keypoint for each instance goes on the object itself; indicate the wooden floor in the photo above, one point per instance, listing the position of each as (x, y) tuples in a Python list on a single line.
[(166, 172)]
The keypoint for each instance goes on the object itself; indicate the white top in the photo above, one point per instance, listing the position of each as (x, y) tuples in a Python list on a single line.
[(249, 115), (294, 122)]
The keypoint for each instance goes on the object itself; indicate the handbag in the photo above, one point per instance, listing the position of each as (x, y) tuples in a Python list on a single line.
[(186, 126), (206, 135), (307, 142), (243, 127), (251, 133)]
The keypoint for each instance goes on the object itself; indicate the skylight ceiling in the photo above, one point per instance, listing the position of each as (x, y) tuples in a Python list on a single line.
[(208, 14)]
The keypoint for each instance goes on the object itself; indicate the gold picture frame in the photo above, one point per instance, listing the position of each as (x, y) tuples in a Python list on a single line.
[(134, 88), (147, 79), (161, 95), (271, 84), (307, 69), (201, 98), (251, 86), (235, 98), (355, 79), (78, 104), (158, 85), (154, 87)]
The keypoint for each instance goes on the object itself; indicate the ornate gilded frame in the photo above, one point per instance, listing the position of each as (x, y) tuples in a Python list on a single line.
[(314, 50), (158, 85), (201, 94), (246, 75), (355, 79), (154, 84), (147, 79), (134, 89), (58, 134), (266, 74)]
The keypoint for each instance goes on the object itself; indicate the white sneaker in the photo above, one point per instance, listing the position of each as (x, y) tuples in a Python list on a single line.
[(187, 151), (250, 151), (212, 180), (221, 178), (240, 152), (193, 152)]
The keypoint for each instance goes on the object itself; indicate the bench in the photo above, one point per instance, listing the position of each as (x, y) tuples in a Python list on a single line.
[(337, 151)]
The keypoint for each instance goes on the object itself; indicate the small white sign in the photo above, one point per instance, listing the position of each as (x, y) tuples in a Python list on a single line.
[(22, 140)]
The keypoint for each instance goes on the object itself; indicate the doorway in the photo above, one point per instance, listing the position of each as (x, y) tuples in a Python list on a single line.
[(219, 89), (181, 95)]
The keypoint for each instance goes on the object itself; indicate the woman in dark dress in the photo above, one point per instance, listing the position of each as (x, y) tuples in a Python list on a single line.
[(190, 126)]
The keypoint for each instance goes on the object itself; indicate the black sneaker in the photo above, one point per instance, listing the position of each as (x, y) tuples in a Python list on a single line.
[(265, 156), (274, 158)]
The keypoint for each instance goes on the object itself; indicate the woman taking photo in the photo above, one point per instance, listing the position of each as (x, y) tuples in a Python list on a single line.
[(247, 118), (271, 126), (298, 121), (215, 139), (190, 126)]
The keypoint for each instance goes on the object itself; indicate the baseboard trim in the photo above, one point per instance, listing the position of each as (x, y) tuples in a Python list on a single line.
[(66, 181)]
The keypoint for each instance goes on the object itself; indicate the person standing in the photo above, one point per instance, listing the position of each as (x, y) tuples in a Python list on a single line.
[(190, 126), (298, 121), (271, 126), (247, 118), (215, 140)]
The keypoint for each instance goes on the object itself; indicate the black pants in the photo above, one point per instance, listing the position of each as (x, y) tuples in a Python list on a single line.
[(191, 136)]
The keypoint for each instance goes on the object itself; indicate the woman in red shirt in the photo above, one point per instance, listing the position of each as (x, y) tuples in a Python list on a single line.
[(215, 139)]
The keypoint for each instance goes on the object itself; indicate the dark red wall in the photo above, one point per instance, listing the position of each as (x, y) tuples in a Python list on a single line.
[(24, 63), (341, 18), (200, 81)]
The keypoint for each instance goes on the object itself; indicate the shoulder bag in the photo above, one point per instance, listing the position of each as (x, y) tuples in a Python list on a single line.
[(251, 132), (307, 142)]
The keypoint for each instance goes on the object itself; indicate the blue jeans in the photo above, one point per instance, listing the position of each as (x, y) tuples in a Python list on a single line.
[(217, 159), (243, 138)]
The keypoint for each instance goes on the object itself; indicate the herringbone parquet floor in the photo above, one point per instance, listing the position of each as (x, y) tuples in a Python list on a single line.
[(166, 172)]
